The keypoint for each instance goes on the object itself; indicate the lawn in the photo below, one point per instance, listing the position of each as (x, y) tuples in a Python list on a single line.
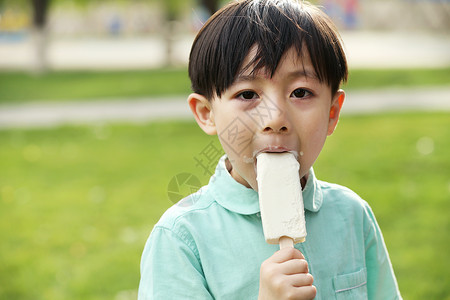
[(79, 85), (85, 85), (77, 203)]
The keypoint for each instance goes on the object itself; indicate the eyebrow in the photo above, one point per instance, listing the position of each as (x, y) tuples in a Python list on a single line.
[(245, 78), (293, 74), (304, 73)]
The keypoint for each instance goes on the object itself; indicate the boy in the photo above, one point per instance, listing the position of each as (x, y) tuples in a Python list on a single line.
[(266, 77)]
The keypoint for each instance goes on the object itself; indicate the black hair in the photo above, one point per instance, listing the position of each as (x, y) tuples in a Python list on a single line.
[(274, 26)]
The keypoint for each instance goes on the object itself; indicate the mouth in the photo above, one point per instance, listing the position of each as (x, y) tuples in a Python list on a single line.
[(273, 149)]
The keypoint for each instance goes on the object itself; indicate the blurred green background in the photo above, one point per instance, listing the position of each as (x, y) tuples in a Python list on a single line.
[(60, 86), (77, 203)]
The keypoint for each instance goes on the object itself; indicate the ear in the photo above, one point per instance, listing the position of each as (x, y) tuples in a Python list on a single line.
[(335, 109), (201, 108)]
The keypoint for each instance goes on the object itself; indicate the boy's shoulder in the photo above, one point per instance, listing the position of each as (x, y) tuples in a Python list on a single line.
[(342, 203), (338, 195), (185, 209)]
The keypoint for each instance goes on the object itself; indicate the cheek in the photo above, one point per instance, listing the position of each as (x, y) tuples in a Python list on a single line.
[(318, 135), (236, 134), (312, 136), (312, 127), (309, 154)]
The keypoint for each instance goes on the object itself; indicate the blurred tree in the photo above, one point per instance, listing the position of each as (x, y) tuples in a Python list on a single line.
[(5, 3), (173, 10), (40, 8), (211, 5), (40, 12)]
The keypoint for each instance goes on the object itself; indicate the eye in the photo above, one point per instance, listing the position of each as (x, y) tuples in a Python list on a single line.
[(247, 95), (301, 93)]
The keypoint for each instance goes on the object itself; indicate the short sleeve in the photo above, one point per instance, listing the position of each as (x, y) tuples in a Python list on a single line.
[(170, 268), (381, 281)]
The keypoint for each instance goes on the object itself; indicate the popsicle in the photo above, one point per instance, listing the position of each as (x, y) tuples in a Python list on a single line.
[(280, 198)]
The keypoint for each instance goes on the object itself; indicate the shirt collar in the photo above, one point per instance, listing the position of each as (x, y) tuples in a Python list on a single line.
[(235, 197)]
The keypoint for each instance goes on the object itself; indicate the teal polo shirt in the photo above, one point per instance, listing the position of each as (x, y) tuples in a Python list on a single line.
[(211, 245)]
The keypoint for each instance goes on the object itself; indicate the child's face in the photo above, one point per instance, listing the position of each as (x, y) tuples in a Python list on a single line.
[(292, 111)]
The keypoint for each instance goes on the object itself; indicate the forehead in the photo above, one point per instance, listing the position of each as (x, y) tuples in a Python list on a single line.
[(291, 61)]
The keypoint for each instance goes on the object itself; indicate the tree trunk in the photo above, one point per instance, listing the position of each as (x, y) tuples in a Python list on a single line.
[(40, 35), (211, 5), (169, 42)]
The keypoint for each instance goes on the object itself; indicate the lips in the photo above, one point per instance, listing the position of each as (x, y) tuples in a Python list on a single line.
[(275, 149)]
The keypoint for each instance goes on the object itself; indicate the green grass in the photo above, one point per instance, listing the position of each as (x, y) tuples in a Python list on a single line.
[(402, 78), (77, 85), (77, 203)]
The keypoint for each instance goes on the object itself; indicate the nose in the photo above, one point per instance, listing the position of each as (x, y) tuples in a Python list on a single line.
[(275, 118), (275, 128)]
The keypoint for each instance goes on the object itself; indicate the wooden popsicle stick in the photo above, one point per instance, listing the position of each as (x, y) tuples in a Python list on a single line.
[(286, 242)]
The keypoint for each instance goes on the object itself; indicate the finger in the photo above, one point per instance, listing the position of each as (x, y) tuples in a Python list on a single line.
[(295, 266), (286, 254), (299, 280), (306, 292)]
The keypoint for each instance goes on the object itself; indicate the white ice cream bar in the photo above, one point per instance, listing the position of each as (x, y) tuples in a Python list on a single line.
[(280, 197)]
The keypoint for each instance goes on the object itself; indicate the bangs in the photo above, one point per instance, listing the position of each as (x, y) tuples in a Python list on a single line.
[(273, 27)]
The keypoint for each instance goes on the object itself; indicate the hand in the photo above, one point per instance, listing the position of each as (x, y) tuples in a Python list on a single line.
[(285, 275)]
